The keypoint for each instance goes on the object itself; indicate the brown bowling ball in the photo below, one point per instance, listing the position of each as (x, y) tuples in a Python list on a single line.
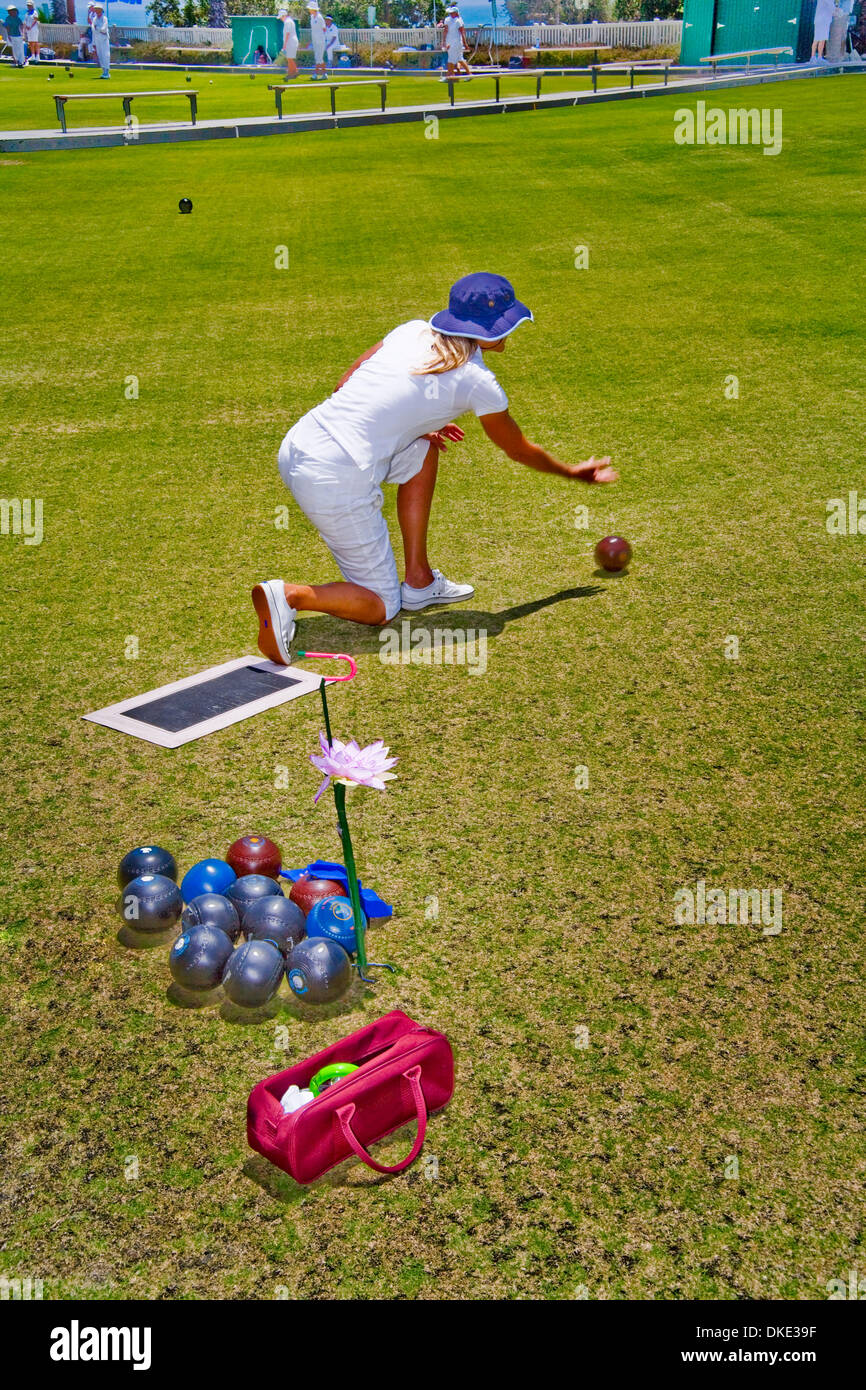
[(255, 854), (612, 554), (309, 891)]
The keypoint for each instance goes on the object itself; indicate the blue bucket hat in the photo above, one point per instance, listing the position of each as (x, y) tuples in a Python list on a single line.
[(481, 306)]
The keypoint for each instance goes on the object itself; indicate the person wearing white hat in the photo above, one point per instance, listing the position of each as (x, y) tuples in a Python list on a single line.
[(12, 26), (317, 32), (290, 42), (455, 42), (332, 39), (101, 41), (31, 30)]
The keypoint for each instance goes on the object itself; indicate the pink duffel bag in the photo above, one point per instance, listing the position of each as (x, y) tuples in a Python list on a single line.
[(405, 1072)]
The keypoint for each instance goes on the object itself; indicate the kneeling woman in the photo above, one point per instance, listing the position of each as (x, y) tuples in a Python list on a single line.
[(387, 421)]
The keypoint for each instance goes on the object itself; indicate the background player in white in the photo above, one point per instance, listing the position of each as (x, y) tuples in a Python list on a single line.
[(821, 30), (31, 30), (455, 42), (290, 42), (332, 38), (317, 31), (389, 418), (101, 41)]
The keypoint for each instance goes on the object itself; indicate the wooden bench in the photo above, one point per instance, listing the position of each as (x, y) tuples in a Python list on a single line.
[(333, 87), (126, 97), (592, 70), (631, 69), (748, 54)]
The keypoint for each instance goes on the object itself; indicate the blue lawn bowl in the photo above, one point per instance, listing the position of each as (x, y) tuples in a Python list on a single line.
[(318, 970), (207, 876), (198, 958), (334, 919), (146, 859)]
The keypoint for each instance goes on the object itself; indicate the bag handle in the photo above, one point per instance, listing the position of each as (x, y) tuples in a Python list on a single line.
[(345, 1113)]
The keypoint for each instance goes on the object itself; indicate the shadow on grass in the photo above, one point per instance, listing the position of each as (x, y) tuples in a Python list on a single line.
[(281, 1008), (145, 940), (324, 633), (352, 1173)]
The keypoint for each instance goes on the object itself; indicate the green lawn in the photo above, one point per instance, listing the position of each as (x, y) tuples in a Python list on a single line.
[(563, 1170), (27, 97)]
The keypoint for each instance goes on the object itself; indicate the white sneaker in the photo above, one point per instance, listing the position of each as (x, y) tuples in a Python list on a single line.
[(276, 621), (441, 590)]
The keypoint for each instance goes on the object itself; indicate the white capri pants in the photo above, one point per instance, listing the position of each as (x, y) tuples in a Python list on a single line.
[(344, 503), (319, 51)]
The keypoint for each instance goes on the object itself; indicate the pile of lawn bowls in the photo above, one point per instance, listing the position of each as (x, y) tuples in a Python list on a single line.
[(238, 928)]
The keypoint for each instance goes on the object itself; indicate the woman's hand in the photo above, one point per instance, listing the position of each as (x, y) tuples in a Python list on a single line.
[(594, 470), (438, 437)]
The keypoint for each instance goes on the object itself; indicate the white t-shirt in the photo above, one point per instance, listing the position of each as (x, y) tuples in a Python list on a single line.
[(453, 25), (332, 36), (383, 406), (31, 26)]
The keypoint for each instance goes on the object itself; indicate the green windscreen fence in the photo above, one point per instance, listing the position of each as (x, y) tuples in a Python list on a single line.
[(712, 27), (249, 31)]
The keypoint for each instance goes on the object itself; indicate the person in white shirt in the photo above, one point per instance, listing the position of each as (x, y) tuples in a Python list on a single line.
[(101, 42), (821, 30), (332, 39), (290, 42), (31, 30), (389, 418), (455, 42), (317, 32)]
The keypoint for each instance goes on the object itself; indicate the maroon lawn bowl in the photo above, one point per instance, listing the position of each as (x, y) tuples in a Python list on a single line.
[(255, 854), (309, 891), (612, 554)]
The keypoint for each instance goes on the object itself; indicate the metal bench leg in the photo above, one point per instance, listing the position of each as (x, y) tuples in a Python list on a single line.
[(538, 86), (631, 77), (382, 93), (193, 106), (594, 80), (127, 108), (60, 107), (496, 80), (451, 89), (333, 96)]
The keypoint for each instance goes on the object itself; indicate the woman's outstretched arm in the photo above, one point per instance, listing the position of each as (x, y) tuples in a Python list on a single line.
[(508, 436)]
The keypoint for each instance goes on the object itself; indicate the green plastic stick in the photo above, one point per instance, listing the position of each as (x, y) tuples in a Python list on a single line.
[(324, 705), (348, 854)]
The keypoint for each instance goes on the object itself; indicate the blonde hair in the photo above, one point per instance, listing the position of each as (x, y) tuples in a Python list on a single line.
[(446, 352)]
